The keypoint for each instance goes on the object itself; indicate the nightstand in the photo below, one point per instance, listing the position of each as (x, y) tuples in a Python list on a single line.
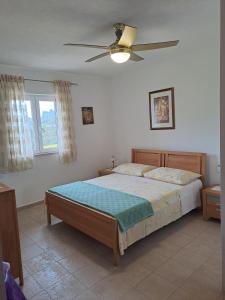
[(104, 172), (211, 202)]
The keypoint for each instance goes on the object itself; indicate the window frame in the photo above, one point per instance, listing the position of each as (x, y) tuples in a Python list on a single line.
[(36, 116)]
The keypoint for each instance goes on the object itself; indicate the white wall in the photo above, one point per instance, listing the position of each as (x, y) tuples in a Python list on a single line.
[(93, 141), (194, 72), (121, 112)]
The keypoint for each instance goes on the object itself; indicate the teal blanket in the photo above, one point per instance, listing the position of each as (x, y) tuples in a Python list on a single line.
[(126, 208)]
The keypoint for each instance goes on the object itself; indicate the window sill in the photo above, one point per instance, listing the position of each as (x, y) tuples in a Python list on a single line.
[(45, 153)]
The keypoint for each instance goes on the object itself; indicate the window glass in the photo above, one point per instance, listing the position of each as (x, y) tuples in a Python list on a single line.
[(41, 111), (48, 125)]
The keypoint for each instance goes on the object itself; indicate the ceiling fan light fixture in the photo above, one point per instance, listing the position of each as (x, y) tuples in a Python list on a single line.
[(123, 48), (120, 55)]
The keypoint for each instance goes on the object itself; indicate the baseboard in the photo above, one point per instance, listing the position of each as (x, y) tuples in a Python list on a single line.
[(30, 205)]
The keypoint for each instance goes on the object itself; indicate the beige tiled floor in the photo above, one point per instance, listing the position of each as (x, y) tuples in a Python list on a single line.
[(179, 262)]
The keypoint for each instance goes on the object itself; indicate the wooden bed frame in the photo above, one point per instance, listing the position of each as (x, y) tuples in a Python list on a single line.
[(102, 227)]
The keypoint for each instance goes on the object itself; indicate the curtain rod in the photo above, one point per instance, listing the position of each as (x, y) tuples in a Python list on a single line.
[(49, 81)]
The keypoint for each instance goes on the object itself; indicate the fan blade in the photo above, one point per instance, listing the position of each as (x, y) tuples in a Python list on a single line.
[(128, 36), (135, 57), (85, 45), (97, 57), (152, 46)]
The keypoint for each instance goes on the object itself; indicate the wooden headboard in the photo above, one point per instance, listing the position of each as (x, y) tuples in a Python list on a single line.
[(148, 157), (191, 161)]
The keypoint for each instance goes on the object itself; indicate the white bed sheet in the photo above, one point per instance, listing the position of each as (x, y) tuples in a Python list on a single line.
[(169, 201)]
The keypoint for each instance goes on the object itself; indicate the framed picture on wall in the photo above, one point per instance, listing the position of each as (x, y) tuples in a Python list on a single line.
[(161, 109), (87, 115)]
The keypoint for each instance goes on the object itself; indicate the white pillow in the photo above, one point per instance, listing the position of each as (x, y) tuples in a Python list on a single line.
[(170, 175), (133, 169)]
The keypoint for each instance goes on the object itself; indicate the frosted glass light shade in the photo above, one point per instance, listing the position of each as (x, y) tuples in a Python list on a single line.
[(120, 57)]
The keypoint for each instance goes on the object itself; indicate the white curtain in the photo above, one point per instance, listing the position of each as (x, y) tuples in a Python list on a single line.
[(66, 135), (16, 153)]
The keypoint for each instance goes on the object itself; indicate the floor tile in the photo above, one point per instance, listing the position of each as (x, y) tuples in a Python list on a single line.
[(131, 274), (189, 260), (166, 248), (134, 294), (41, 296), (25, 272), (50, 275), (25, 241), (199, 249), (178, 239), (182, 261), (75, 262), (88, 295), (67, 289), (91, 274), (152, 260), (31, 251), (31, 287), (156, 287), (61, 251), (174, 272), (202, 285), (39, 262), (179, 294), (110, 288), (194, 228)]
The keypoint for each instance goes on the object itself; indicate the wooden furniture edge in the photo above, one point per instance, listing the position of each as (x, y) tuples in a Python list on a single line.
[(201, 169), (212, 192), (204, 200), (105, 171), (95, 224), (2, 279), (7, 189), (151, 152), (208, 191), (164, 154), (21, 279)]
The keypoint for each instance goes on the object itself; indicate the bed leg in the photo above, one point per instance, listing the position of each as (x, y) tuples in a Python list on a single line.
[(116, 257), (115, 246), (49, 220)]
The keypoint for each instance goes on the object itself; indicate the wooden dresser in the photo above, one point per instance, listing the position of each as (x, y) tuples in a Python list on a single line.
[(9, 231)]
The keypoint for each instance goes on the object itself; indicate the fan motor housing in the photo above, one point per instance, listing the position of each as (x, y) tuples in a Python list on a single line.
[(120, 49), (118, 27)]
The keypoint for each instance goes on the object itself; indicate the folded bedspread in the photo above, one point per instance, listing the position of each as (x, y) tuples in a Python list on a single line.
[(127, 209)]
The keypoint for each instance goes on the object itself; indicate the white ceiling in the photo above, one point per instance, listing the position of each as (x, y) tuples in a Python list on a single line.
[(32, 32)]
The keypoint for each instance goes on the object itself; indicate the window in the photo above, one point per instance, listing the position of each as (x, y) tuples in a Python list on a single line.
[(41, 110)]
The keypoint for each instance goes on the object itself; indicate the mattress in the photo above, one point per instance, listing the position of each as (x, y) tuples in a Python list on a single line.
[(169, 201)]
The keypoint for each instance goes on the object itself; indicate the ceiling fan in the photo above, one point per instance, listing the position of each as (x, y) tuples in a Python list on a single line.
[(123, 49)]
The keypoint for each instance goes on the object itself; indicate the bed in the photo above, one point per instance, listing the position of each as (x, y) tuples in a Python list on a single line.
[(105, 228)]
